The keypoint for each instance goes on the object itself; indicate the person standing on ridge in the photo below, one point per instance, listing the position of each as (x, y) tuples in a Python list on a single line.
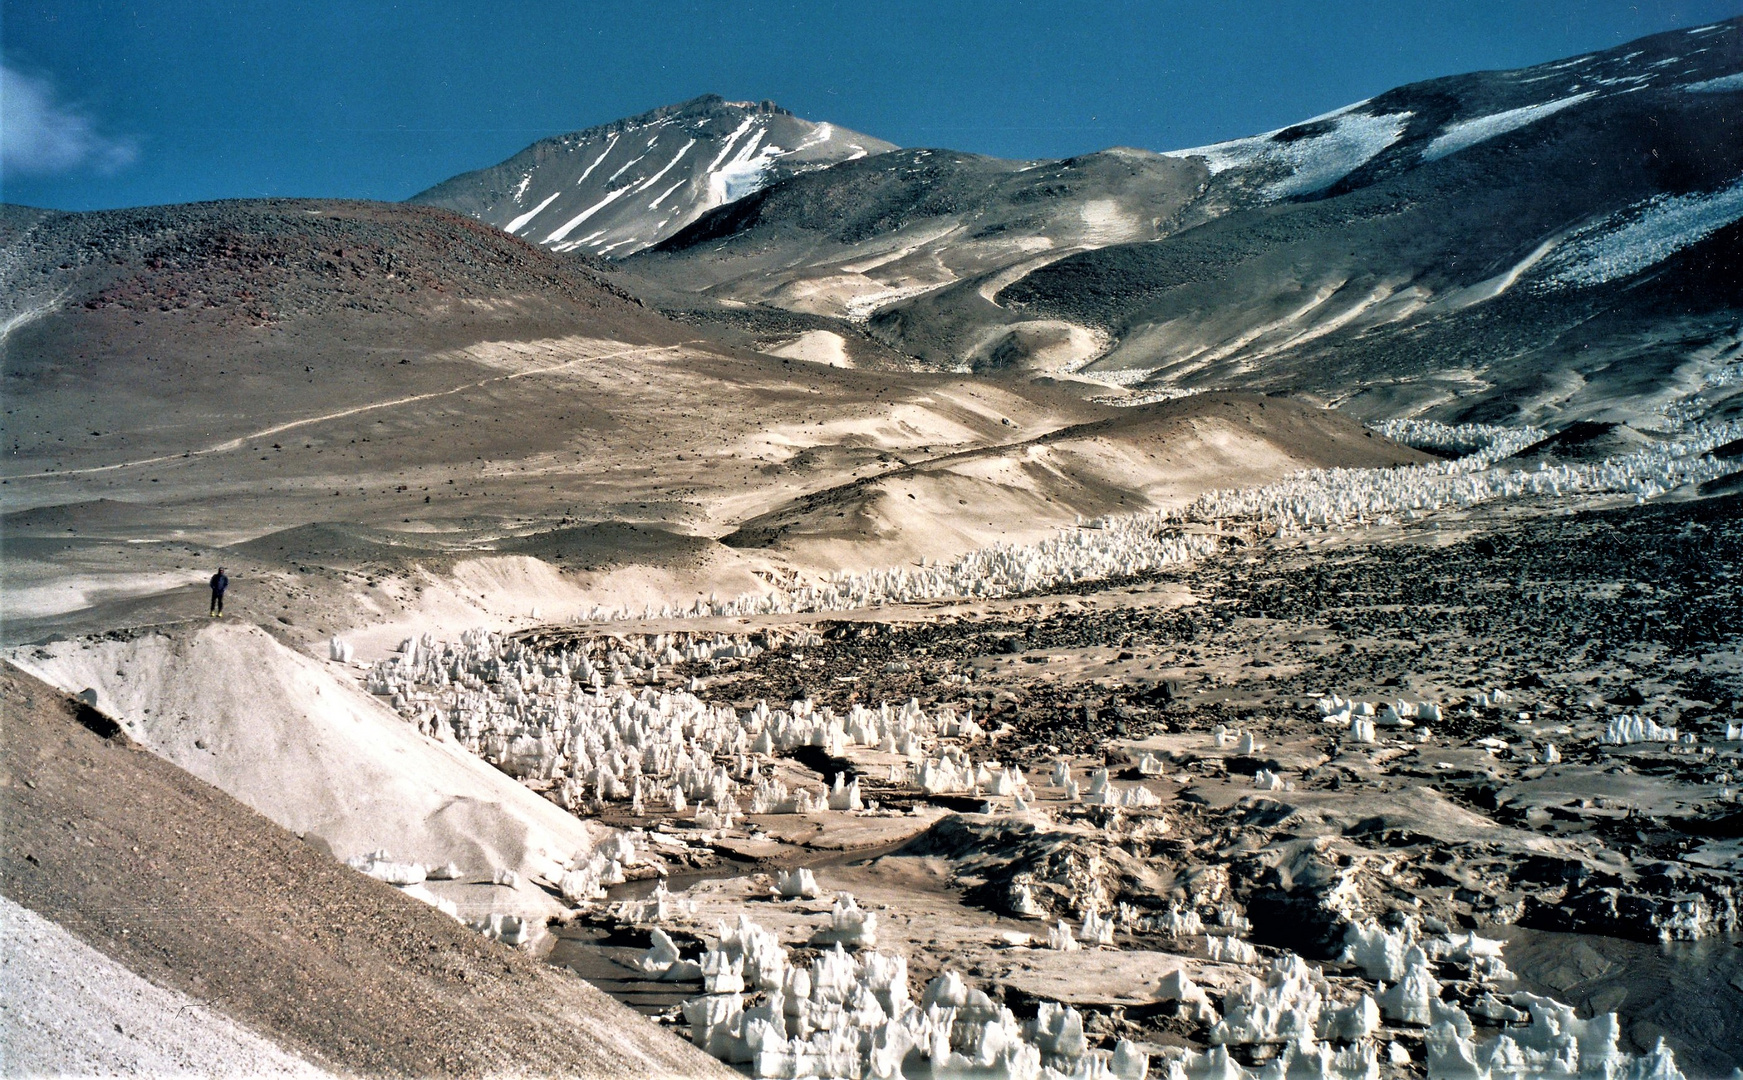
[(219, 584)]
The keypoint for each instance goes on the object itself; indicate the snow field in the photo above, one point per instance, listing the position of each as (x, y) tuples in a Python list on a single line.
[(1640, 236), (1721, 85), (1312, 163), (1325, 499), (569, 226), (1467, 133), (550, 718), (1112, 547), (520, 223)]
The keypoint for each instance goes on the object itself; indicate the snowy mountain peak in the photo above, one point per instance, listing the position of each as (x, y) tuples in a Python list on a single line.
[(615, 189)]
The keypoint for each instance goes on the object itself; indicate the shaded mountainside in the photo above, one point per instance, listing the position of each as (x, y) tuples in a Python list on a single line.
[(619, 187), (196, 892), (1543, 242)]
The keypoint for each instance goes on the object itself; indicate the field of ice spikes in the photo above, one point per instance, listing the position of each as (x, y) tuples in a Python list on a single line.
[(567, 718), (851, 1015)]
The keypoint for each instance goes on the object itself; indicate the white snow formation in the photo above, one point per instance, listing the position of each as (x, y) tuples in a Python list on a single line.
[(851, 1015), (1340, 143), (549, 716), (1322, 499), (1627, 730), (1466, 133), (1643, 235), (800, 884), (1721, 85)]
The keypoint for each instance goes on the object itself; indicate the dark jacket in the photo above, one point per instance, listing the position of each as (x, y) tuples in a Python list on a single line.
[(219, 584)]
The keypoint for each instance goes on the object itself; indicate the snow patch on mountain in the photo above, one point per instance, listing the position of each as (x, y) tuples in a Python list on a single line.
[(1647, 233), (1235, 153), (731, 140), (1313, 161), (1323, 160), (569, 226), (741, 175), (582, 179), (657, 177), (1468, 133), (655, 205), (519, 223), (1722, 84), (626, 166)]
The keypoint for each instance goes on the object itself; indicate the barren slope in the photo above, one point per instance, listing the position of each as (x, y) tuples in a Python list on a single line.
[(864, 237), (162, 330), (193, 891), (385, 417)]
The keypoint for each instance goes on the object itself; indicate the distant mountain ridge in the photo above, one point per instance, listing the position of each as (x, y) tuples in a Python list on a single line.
[(1417, 124), (1547, 243), (1552, 242), (617, 188)]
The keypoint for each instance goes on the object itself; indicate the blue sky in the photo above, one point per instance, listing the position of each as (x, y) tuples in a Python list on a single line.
[(120, 104)]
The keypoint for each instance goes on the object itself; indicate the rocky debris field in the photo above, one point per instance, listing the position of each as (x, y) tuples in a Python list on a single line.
[(259, 261), (1538, 636), (1627, 607)]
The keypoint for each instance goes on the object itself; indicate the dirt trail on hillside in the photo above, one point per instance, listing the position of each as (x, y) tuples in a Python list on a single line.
[(192, 890)]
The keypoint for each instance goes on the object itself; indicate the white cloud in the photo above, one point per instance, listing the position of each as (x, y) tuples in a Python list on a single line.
[(41, 135)]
